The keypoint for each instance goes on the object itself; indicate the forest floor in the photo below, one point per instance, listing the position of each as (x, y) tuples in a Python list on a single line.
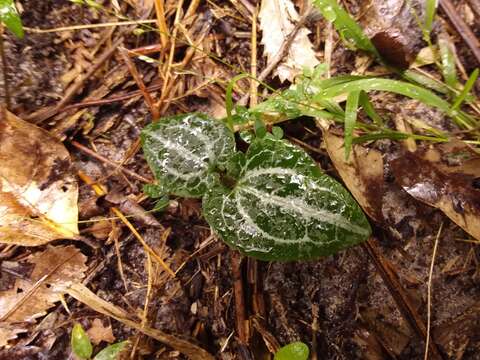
[(93, 85)]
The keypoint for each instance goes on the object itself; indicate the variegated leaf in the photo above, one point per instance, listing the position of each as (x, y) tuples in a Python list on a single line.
[(184, 152), (283, 208)]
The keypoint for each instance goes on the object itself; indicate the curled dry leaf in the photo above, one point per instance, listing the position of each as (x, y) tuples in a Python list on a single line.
[(393, 29), (53, 270), (38, 193), (277, 19), (446, 177)]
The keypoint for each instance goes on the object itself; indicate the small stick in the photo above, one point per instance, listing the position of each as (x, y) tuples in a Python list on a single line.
[(141, 85), (103, 159), (161, 22), (142, 241), (429, 290), (240, 313), (5, 73), (253, 61), (112, 99), (44, 114), (462, 28), (87, 26)]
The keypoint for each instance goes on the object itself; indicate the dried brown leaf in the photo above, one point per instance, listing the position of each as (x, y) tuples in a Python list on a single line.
[(53, 270), (362, 174), (8, 332), (98, 332), (38, 193), (446, 180), (277, 18)]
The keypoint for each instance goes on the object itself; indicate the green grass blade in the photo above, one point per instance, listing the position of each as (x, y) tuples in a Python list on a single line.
[(395, 86), (448, 63), (229, 97), (332, 107), (430, 9), (466, 89), (9, 16), (395, 135), (420, 79), (351, 109), (369, 109), (346, 26), (340, 79)]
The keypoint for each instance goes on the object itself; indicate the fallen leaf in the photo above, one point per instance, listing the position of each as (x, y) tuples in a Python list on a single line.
[(38, 193), (447, 181), (393, 29), (362, 174), (382, 199), (277, 19), (53, 270), (98, 332), (8, 332)]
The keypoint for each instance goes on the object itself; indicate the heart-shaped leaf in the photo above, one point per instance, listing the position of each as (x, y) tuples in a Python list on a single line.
[(184, 151), (284, 208)]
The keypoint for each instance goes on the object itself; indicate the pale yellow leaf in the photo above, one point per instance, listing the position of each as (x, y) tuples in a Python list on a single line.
[(38, 192), (277, 21)]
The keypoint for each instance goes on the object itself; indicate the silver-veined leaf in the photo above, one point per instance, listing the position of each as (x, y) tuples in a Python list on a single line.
[(283, 207), (184, 152)]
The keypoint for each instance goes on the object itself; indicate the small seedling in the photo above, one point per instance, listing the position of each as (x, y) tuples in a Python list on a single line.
[(293, 351), (272, 202), (82, 347)]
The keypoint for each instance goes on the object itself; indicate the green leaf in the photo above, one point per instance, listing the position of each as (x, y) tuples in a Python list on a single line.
[(420, 79), (260, 129), (161, 204), (430, 9), (9, 16), (350, 119), (346, 26), (277, 132), (184, 151), (283, 207), (111, 352), (81, 345), (294, 351), (398, 87), (369, 109), (229, 98), (466, 89), (449, 69)]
